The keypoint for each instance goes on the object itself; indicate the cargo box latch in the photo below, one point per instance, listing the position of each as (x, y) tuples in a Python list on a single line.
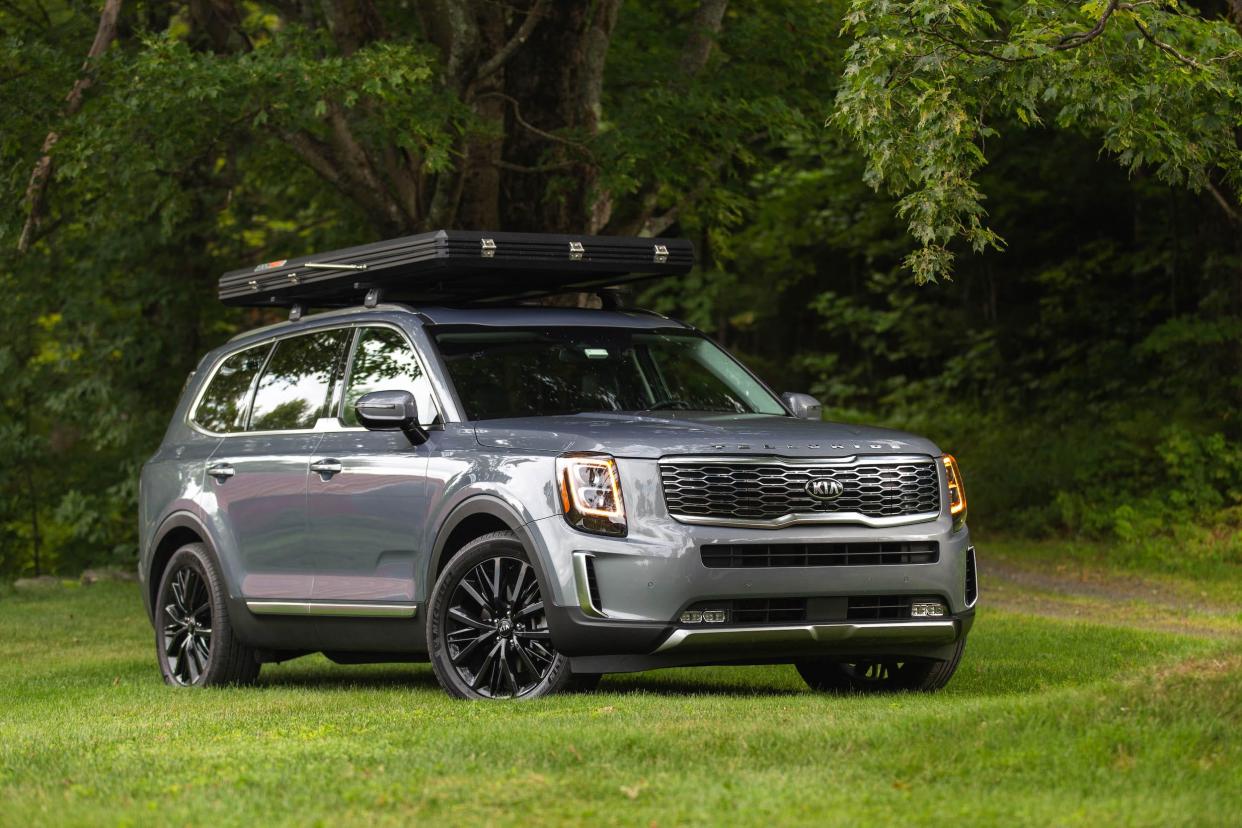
[(661, 253), (487, 248), (575, 251)]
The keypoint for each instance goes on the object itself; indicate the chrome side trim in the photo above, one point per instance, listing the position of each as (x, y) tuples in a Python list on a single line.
[(582, 585), (348, 609), (921, 632), (796, 520)]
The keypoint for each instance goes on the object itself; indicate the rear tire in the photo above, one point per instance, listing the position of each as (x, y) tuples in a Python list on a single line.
[(194, 640), (886, 675), (487, 631)]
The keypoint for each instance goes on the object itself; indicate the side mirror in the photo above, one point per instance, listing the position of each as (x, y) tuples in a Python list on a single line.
[(803, 406), (390, 411)]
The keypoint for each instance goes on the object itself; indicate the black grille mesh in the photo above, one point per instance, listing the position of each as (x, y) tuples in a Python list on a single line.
[(754, 491), (879, 608), (763, 555), (754, 611)]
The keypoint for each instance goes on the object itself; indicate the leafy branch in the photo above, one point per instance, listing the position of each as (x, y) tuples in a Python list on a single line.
[(927, 82)]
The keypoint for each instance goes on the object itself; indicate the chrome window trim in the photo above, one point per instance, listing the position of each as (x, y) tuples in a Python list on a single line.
[(346, 609), (320, 427)]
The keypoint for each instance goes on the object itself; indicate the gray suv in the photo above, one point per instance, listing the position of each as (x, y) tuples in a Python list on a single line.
[(531, 497)]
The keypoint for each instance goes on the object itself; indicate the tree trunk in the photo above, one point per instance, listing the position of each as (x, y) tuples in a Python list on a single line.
[(552, 87), (36, 189)]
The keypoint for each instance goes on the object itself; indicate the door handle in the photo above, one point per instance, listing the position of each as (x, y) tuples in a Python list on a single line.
[(326, 467), (222, 471)]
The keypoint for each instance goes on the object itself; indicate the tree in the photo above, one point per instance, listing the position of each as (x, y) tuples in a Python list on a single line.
[(211, 133), (928, 82)]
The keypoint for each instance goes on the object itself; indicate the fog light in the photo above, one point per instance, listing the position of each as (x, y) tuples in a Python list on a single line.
[(926, 609), (691, 617), (714, 616)]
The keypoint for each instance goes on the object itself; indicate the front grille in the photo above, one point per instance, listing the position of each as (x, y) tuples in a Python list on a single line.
[(879, 608), (736, 490), (763, 555)]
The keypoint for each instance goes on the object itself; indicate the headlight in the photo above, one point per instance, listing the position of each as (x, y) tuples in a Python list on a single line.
[(590, 490), (957, 491)]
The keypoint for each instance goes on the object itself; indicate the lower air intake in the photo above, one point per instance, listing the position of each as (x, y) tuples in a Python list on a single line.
[(972, 578), (879, 608)]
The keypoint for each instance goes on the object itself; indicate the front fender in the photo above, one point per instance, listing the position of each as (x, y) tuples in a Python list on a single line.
[(504, 510)]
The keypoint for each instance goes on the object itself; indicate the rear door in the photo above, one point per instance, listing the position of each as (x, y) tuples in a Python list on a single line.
[(258, 475), (367, 496)]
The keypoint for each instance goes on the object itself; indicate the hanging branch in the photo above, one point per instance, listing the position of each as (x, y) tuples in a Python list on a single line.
[(36, 190)]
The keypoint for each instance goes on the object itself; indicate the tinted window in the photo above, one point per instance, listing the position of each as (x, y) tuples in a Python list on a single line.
[(384, 361), (294, 389), (223, 405), (522, 372)]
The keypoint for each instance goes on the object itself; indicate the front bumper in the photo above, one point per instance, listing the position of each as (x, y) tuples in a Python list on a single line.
[(655, 572), (628, 618), (605, 646)]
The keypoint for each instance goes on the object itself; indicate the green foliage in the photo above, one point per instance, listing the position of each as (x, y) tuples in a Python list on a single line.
[(1064, 372), (927, 83)]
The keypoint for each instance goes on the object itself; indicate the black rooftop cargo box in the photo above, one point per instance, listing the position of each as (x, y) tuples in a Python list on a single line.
[(452, 266)]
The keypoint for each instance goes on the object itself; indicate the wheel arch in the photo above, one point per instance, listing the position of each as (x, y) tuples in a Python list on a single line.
[(473, 518), (176, 531)]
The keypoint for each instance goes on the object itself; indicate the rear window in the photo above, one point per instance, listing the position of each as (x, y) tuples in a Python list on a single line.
[(222, 408)]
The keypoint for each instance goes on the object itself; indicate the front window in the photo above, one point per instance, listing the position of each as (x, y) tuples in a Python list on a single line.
[(534, 372), (384, 361)]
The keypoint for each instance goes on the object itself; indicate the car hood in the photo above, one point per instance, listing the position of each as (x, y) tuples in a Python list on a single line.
[(661, 435)]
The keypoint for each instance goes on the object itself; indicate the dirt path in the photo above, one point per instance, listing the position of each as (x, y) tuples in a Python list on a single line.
[(1077, 593)]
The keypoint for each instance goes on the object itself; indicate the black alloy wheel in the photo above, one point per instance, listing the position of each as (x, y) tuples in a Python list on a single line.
[(489, 631), (498, 637), (194, 640), (186, 620)]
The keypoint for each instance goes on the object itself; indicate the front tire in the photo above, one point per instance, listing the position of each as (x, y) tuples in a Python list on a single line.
[(194, 640), (487, 629), (886, 675)]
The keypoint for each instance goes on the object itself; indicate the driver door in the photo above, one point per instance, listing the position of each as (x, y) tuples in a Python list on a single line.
[(367, 495)]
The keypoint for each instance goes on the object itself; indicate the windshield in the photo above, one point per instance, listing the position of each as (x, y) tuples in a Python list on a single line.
[(535, 372)]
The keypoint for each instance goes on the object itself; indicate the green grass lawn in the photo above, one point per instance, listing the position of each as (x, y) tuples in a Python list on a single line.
[(1049, 721)]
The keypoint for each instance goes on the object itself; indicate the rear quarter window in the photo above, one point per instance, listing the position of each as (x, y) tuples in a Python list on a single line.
[(222, 407)]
